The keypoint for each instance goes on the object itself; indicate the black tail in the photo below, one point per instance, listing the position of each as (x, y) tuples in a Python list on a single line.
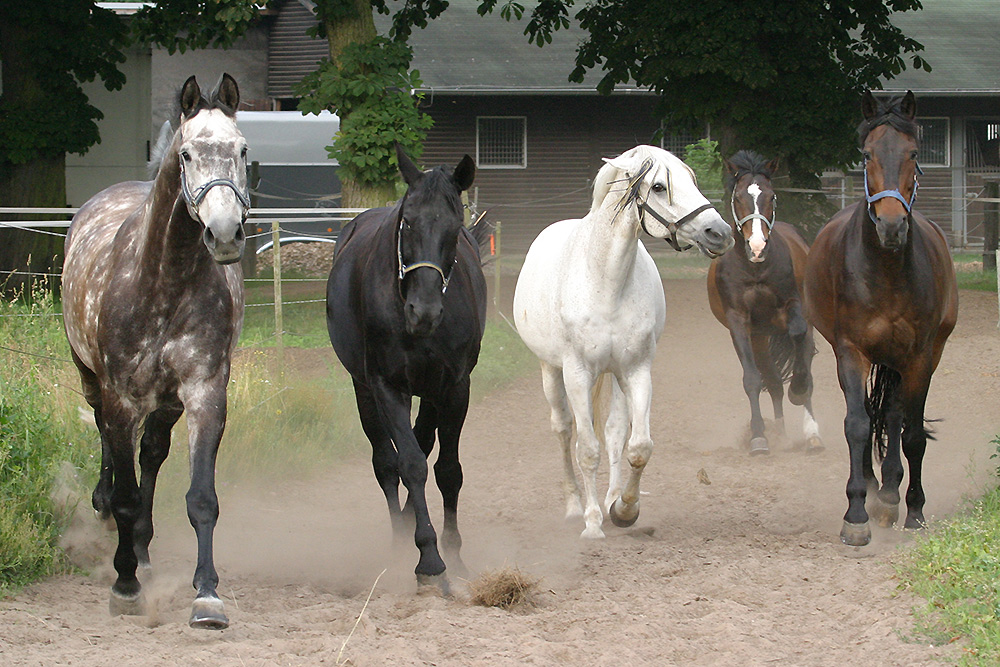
[(881, 391), (782, 354), (482, 231)]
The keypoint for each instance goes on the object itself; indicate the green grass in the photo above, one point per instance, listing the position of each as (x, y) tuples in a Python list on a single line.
[(280, 424), (970, 274), (43, 444), (956, 568)]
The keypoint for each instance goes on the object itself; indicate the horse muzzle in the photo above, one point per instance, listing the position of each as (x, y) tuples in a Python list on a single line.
[(892, 233), (225, 248), (715, 238)]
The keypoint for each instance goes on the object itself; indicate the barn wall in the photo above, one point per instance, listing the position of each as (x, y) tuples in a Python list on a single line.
[(566, 138)]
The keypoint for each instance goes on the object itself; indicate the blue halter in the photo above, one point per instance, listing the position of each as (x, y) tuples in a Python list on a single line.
[(895, 194)]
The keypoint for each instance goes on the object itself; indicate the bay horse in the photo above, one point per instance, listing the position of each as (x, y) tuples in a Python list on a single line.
[(589, 301), (153, 306), (755, 291), (406, 312), (880, 287)]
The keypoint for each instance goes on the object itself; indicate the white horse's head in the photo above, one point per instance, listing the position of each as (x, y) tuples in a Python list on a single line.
[(668, 203), (213, 166)]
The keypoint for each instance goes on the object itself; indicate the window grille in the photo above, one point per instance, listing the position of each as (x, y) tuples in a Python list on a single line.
[(501, 142), (934, 142), (982, 144), (678, 143)]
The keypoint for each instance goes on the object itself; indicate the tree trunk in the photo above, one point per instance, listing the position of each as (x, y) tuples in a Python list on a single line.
[(40, 183), (361, 195), (339, 34)]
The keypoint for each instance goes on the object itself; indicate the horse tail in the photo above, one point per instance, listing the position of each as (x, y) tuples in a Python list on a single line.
[(482, 233), (782, 353), (880, 392)]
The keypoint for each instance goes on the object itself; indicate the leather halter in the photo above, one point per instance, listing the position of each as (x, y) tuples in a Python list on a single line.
[(672, 226), (406, 268), (753, 216), (195, 198), (895, 194)]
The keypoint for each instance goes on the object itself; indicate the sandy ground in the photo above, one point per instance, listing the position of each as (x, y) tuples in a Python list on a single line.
[(744, 570)]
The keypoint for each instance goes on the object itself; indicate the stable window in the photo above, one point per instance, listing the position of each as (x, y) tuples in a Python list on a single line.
[(501, 142), (934, 142)]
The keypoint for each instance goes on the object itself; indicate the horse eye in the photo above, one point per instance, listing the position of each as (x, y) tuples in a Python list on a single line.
[(658, 187), (243, 152), (186, 156), (867, 155), (913, 155)]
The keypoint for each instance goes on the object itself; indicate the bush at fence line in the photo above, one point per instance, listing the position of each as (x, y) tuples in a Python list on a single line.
[(308, 259), (41, 438)]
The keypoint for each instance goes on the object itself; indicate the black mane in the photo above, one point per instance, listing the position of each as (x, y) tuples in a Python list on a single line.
[(746, 162), (889, 112)]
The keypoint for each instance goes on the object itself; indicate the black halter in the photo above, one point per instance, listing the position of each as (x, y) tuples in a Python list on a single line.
[(195, 198), (672, 226)]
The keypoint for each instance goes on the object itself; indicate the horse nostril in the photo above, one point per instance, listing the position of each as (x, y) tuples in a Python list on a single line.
[(209, 237), (240, 234)]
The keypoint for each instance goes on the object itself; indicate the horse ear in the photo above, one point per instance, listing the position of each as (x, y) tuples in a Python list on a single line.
[(869, 106), (772, 166), (411, 173), (227, 93), (909, 105), (729, 167), (465, 173), (190, 97)]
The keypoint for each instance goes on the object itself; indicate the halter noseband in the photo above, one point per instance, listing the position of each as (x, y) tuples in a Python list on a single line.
[(406, 268), (195, 198), (895, 194), (753, 216)]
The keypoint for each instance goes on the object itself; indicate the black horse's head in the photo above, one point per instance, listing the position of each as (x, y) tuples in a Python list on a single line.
[(430, 221), (889, 146), (752, 200)]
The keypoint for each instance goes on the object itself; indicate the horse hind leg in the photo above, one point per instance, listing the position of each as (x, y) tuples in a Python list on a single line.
[(800, 388), (562, 425), (887, 418)]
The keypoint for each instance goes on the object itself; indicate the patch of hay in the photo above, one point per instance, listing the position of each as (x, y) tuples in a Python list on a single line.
[(505, 588)]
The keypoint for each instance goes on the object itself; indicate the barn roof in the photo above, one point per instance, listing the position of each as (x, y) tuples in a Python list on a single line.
[(961, 41)]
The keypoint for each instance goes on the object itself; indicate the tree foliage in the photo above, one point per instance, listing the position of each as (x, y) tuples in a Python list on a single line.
[(783, 77), (370, 89)]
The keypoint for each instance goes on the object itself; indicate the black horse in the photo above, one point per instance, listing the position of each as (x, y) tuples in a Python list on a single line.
[(406, 309)]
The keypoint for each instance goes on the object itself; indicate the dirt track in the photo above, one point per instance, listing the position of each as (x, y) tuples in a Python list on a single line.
[(747, 570)]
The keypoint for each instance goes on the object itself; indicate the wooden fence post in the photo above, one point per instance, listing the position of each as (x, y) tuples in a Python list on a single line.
[(279, 322)]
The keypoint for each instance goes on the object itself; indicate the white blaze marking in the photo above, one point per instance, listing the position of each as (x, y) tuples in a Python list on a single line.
[(757, 240)]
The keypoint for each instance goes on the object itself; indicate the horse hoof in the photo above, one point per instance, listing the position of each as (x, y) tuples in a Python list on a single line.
[(592, 533), (625, 517), (435, 582), (814, 445), (884, 513), (126, 605), (855, 534), (758, 446), (208, 613)]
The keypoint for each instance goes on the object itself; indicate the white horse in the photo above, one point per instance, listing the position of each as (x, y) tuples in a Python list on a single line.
[(589, 301)]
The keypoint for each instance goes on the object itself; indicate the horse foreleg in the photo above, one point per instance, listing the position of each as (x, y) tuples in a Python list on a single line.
[(638, 387), (448, 470), (914, 446), (852, 368), (800, 388), (615, 432), (385, 462), (579, 382), (562, 425), (153, 449), (770, 378), (118, 440), (206, 407), (752, 383), (394, 408)]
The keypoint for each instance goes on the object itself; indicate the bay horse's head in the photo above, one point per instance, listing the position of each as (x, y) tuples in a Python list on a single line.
[(430, 220), (889, 147), (665, 191), (212, 155), (752, 200)]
